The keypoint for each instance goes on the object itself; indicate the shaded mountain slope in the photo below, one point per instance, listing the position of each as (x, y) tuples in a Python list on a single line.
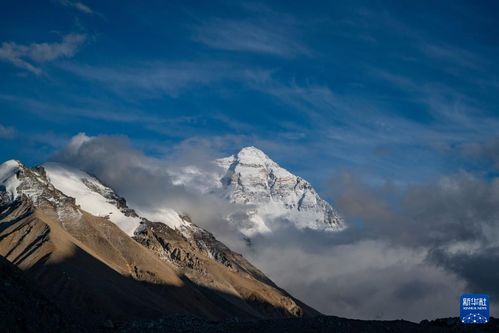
[(24, 308)]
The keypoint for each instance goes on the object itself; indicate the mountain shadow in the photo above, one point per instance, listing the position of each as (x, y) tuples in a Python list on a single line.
[(26, 306)]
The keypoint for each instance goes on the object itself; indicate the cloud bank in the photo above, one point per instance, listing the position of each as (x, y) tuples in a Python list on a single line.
[(409, 252)]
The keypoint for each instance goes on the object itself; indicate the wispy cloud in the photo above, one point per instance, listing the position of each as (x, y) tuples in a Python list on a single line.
[(256, 36), (261, 31), (452, 55), (90, 110), (338, 120), (485, 150), (23, 56), (7, 132), (155, 77), (77, 5), (335, 122), (415, 40), (450, 106)]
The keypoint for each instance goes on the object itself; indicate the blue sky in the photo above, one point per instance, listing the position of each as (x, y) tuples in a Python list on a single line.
[(391, 90)]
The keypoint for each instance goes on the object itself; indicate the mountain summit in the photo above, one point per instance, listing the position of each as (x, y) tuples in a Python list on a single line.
[(272, 194)]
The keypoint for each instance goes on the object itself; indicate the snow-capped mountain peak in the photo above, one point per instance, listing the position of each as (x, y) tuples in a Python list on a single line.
[(265, 195), (250, 155), (250, 177)]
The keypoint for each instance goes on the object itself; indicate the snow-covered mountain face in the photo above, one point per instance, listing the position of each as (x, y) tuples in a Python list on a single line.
[(17, 181), (56, 184), (92, 196), (270, 193), (99, 200)]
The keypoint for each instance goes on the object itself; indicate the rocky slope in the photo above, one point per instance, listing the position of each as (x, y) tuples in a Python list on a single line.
[(94, 256), (271, 194)]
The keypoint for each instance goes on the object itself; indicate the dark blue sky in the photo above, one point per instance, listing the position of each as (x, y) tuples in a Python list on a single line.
[(390, 89)]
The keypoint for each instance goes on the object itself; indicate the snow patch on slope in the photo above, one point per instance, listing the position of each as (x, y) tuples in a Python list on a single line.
[(87, 192), (165, 215), (100, 200)]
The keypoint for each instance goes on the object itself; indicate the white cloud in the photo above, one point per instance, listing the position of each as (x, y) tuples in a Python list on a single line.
[(91, 109), (7, 132), (77, 5), (261, 30), (12, 52), (23, 56), (364, 279), (274, 37), (452, 55), (172, 78), (155, 77)]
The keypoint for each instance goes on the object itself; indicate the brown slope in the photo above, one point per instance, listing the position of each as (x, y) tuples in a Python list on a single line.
[(210, 264), (95, 270)]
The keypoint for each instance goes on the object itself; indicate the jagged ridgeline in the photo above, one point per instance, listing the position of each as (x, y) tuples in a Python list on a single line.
[(93, 256), (271, 193)]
